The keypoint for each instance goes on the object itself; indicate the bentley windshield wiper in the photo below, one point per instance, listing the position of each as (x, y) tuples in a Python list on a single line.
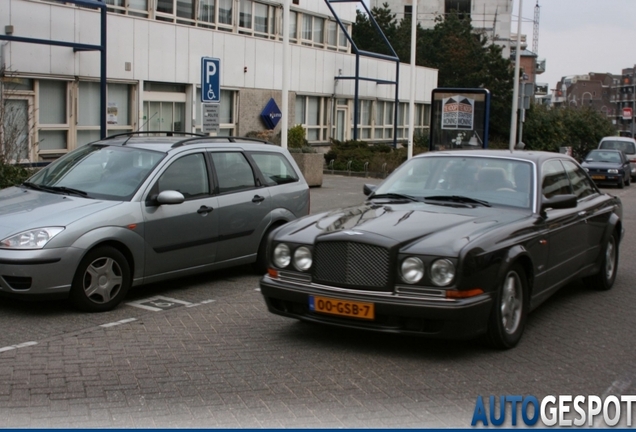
[(394, 196), (458, 199)]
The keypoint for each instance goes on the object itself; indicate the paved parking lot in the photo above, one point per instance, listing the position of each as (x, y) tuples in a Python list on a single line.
[(203, 352)]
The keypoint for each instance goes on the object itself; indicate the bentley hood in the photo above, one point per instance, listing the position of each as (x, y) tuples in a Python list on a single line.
[(23, 209), (416, 226)]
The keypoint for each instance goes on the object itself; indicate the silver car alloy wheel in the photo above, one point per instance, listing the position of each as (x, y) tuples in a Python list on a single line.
[(610, 258), (102, 280), (511, 302)]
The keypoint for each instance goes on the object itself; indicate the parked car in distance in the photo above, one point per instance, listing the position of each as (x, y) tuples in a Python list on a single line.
[(626, 144), (140, 207), (608, 167), (454, 244)]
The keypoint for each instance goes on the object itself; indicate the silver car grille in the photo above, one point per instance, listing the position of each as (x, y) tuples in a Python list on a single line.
[(351, 264)]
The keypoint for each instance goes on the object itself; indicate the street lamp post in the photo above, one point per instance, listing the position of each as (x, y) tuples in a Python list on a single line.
[(515, 91)]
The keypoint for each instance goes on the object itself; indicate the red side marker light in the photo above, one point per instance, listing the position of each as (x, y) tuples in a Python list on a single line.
[(455, 294), (131, 226), (272, 273)]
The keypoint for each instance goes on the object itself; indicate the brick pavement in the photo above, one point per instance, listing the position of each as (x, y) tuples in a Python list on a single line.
[(230, 364)]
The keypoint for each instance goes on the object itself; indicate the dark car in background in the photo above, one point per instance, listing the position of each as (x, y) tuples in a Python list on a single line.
[(139, 208), (608, 167), (626, 144), (455, 244)]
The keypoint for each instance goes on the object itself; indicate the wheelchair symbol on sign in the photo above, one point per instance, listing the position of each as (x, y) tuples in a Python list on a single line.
[(211, 94)]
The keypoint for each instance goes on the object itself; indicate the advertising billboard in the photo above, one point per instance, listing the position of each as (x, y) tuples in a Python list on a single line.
[(459, 118)]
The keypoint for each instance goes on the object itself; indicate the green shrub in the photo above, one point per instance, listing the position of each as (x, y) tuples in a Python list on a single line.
[(296, 137), (11, 175), (360, 152)]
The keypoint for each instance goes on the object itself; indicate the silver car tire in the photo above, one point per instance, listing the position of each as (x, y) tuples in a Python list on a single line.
[(510, 309), (101, 281)]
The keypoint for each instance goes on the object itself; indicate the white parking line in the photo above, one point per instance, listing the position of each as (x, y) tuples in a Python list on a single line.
[(22, 345), (158, 303), (200, 303), (116, 323)]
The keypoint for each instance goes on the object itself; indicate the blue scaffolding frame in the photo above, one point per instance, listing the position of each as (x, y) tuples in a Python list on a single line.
[(358, 52), (92, 4)]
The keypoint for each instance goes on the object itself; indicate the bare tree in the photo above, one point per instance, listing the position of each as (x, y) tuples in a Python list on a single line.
[(16, 132)]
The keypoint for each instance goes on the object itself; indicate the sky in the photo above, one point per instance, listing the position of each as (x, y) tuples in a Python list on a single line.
[(580, 36)]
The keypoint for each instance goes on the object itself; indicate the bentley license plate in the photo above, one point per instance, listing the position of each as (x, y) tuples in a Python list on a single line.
[(347, 308), (598, 177)]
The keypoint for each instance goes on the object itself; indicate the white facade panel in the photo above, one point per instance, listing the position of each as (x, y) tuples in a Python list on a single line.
[(140, 39), (162, 52), (182, 54), (120, 50), (232, 59), (261, 65), (249, 53)]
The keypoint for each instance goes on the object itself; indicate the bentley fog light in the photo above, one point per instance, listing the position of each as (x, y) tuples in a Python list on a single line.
[(442, 272), (282, 256), (412, 270), (302, 258), (31, 239)]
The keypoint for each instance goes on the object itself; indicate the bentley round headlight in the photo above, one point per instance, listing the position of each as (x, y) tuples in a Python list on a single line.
[(412, 270), (282, 256), (302, 258), (442, 272)]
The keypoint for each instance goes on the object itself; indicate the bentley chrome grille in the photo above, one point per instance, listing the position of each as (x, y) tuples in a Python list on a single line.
[(351, 264)]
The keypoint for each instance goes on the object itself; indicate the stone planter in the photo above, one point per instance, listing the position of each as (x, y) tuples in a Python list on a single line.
[(311, 166)]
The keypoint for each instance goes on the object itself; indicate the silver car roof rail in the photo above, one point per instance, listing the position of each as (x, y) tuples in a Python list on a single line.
[(231, 139)]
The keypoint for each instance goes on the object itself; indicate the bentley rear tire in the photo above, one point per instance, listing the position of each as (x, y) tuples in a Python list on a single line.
[(604, 279), (508, 316)]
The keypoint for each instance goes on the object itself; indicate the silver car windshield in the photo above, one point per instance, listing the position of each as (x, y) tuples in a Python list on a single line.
[(491, 181), (98, 171)]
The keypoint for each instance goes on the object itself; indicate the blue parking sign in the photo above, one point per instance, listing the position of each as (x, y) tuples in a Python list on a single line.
[(210, 80)]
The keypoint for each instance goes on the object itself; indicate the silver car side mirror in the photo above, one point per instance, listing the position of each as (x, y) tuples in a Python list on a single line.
[(170, 197)]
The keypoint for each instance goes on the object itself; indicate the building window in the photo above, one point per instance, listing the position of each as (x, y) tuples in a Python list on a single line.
[(461, 7), (408, 10), (310, 113), (383, 127), (256, 19)]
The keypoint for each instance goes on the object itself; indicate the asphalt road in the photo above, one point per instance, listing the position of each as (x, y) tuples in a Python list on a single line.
[(204, 352)]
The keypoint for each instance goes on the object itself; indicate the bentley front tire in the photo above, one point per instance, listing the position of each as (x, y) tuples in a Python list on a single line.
[(101, 281), (508, 316)]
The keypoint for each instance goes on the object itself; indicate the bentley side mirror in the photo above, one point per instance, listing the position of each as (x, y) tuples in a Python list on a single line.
[(559, 202)]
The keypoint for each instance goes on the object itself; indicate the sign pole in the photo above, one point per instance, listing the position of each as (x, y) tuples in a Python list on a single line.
[(285, 88), (515, 91), (413, 72)]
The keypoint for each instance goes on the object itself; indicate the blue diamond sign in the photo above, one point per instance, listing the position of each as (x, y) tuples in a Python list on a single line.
[(271, 114)]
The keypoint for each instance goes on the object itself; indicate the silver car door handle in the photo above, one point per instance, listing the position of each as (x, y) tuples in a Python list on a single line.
[(258, 198), (582, 213), (204, 209)]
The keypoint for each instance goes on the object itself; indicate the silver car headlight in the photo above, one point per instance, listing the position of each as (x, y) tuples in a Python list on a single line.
[(303, 258), (32, 239), (442, 272), (412, 270), (282, 255), (612, 171)]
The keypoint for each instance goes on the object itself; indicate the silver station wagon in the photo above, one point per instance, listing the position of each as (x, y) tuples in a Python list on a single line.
[(138, 208)]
